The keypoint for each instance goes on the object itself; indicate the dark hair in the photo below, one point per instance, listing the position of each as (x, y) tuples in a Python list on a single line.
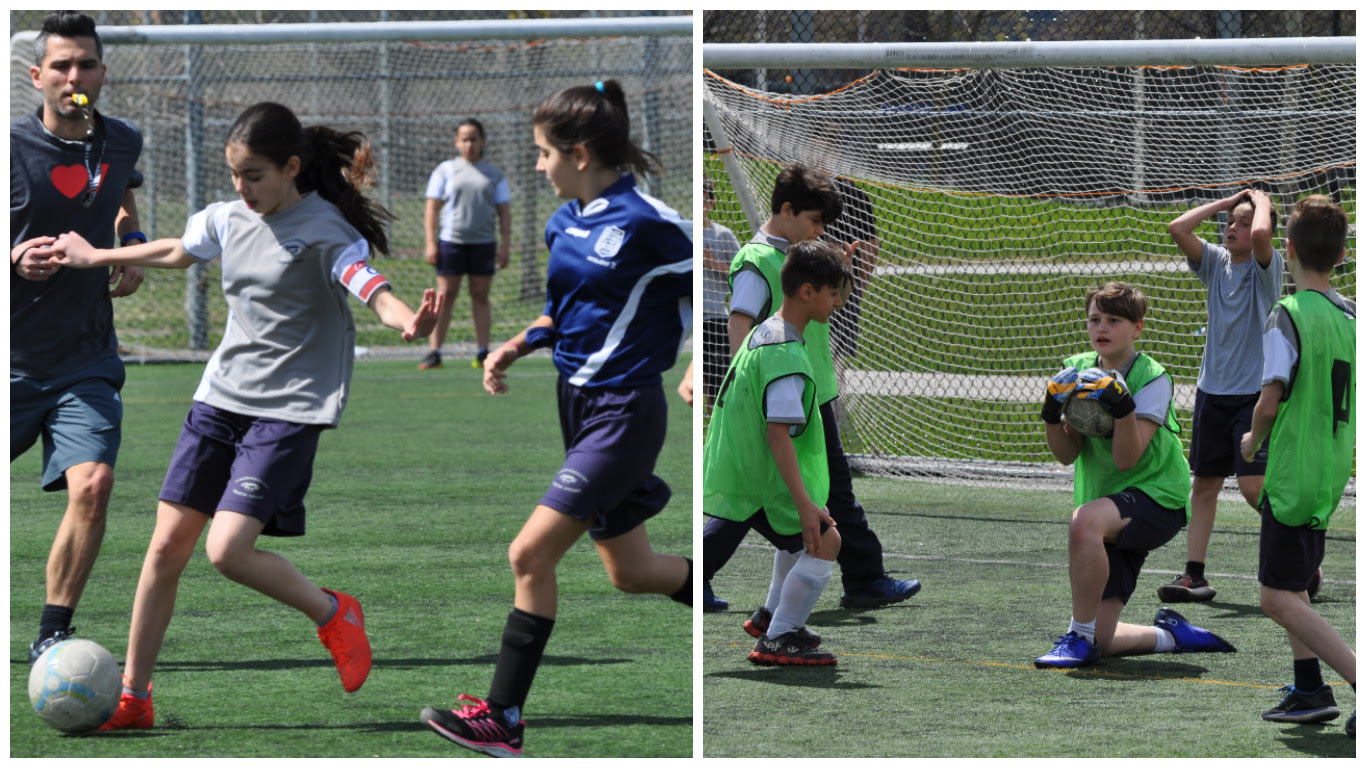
[(708, 189), (1247, 199), (478, 126), (596, 117), (1318, 232), (816, 262), (336, 165), (807, 190), (1119, 299), (65, 24)]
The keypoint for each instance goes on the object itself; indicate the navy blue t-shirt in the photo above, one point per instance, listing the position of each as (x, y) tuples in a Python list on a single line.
[(65, 323), (619, 287)]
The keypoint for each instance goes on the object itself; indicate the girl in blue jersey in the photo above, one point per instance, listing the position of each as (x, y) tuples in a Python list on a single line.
[(618, 306)]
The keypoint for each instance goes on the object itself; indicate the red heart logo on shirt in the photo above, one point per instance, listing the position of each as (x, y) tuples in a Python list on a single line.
[(71, 180)]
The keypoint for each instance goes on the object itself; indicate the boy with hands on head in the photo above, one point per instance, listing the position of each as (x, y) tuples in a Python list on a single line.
[(1242, 278)]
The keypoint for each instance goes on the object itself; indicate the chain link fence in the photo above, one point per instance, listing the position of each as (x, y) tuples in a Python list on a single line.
[(407, 97)]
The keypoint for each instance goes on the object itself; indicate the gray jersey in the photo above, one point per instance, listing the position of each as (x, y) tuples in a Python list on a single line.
[(289, 345), (470, 194), (1239, 296)]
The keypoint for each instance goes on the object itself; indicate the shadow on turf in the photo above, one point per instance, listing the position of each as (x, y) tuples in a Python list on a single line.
[(806, 677), (403, 726), (1156, 667), (1319, 740), (411, 663), (844, 617)]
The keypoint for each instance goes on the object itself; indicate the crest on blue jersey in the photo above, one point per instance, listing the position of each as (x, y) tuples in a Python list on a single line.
[(609, 242)]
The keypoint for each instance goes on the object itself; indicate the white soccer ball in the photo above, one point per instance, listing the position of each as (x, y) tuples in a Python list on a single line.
[(75, 686), (1089, 417)]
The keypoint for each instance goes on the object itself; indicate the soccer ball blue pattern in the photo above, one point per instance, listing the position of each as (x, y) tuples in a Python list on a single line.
[(75, 685)]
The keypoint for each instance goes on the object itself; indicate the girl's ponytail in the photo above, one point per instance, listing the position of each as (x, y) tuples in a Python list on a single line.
[(595, 116), (339, 166)]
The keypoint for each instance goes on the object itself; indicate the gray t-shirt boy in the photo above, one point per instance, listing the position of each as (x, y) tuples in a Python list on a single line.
[(1239, 296)]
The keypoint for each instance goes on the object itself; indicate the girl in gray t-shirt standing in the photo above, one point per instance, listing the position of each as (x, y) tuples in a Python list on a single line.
[(466, 196), (293, 246)]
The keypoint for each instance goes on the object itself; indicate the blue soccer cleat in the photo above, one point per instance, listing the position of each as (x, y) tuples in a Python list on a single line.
[(1072, 651), (1190, 638), (1352, 725), (710, 602), (883, 590)]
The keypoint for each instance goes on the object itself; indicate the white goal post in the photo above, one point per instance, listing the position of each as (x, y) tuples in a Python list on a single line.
[(997, 182)]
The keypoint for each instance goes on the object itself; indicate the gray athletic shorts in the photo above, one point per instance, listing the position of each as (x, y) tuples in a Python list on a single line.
[(78, 416)]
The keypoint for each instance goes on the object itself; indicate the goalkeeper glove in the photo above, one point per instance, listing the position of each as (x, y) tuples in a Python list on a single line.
[(1098, 384), (1059, 389)]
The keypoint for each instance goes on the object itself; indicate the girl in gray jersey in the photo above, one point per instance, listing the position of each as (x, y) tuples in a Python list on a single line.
[(293, 246), (464, 197)]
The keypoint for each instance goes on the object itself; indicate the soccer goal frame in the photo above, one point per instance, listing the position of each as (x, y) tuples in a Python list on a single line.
[(750, 161)]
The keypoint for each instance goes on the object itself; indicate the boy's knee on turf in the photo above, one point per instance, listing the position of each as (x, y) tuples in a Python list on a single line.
[(1096, 520)]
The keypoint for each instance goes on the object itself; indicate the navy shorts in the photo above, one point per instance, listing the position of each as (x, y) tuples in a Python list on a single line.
[(1217, 431), (1150, 526), (612, 438), (792, 543), (474, 259), (1288, 556), (256, 466), (78, 416)]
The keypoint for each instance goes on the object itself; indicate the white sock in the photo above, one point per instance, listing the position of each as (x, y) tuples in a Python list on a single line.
[(801, 589), (1165, 642), (782, 564), (1087, 630)]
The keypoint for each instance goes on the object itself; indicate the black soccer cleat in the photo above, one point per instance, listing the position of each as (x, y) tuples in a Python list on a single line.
[(786, 650)]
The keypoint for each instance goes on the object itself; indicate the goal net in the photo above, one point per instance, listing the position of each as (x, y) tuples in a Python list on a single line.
[(407, 95), (993, 198)]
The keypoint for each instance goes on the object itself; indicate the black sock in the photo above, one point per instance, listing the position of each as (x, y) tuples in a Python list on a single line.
[(524, 639), (54, 618), (1195, 568), (684, 593), (1308, 676)]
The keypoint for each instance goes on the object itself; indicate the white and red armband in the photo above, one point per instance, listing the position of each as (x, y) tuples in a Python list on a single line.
[(362, 280)]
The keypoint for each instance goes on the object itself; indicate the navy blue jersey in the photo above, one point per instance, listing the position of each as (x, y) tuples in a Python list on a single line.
[(619, 287)]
